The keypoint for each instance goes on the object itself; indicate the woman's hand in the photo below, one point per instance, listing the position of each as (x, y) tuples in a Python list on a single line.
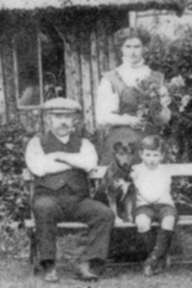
[(165, 115), (134, 121)]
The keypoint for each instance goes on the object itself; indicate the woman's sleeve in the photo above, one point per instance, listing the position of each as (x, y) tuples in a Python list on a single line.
[(107, 102)]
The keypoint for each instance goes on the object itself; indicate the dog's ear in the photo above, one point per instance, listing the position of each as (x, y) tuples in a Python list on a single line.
[(117, 146), (131, 147)]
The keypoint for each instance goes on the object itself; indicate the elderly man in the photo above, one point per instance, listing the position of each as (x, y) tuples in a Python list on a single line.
[(60, 160)]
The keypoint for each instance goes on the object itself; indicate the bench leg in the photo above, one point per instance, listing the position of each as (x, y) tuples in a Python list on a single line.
[(33, 245), (33, 254)]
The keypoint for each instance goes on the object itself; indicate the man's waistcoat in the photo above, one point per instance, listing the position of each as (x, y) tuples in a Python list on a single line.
[(74, 178)]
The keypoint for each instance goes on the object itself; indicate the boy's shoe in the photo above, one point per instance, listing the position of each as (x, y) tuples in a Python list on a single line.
[(157, 261), (154, 266), (150, 270), (150, 267)]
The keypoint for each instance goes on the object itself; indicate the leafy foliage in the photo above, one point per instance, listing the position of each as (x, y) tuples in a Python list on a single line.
[(13, 192), (148, 94), (14, 195), (174, 60)]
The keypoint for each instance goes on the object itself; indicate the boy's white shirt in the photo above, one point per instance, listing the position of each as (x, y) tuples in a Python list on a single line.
[(154, 186)]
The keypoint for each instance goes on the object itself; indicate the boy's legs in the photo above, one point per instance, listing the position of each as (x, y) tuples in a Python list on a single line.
[(143, 220), (167, 217)]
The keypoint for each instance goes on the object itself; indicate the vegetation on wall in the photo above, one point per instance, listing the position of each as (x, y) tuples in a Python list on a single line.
[(13, 194), (174, 59)]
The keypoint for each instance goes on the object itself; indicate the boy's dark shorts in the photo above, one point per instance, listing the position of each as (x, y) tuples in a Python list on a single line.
[(157, 211)]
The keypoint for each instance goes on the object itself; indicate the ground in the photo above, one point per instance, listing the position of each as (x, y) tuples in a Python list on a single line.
[(18, 274)]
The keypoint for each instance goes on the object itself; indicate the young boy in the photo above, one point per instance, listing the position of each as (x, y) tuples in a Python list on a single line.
[(152, 180)]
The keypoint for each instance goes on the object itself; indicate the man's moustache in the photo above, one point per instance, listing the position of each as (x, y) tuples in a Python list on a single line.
[(67, 127)]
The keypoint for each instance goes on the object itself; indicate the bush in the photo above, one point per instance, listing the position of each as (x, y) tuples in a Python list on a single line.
[(171, 57), (174, 59), (13, 193)]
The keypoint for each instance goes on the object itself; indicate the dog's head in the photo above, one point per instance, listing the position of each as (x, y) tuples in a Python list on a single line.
[(124, 155)]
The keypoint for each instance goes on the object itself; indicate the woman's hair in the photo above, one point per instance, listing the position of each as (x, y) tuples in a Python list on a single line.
[(123, 34), (152, 142)]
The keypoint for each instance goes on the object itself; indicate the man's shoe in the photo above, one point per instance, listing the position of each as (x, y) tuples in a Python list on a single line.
[(148, 271), (51, 276), (84, 273)]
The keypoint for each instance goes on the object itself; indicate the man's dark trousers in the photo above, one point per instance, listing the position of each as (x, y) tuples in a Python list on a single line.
[(51, 207)]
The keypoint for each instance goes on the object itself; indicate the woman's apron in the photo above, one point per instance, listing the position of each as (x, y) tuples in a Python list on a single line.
[(128, 103)]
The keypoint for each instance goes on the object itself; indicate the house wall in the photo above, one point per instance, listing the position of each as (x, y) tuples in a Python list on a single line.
[(89, 51), (8, 80), (88, 48)]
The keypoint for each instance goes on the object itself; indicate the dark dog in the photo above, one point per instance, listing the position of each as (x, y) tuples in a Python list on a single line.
[(117, 182)]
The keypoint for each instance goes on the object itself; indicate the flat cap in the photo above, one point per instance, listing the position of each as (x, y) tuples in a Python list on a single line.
[(62, 105)]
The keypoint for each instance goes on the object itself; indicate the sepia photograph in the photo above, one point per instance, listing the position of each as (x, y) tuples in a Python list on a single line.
[(95, 143)]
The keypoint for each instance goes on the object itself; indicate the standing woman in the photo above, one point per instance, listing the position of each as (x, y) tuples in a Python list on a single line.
[(117, 109)]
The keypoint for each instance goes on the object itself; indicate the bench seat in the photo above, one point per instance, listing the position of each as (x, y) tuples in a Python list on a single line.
[(95, 176), (184, 220)]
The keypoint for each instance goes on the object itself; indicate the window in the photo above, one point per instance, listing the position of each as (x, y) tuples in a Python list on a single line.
[(38, 66)]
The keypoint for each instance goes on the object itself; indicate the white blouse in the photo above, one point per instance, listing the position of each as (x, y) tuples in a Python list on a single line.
[(107, 100)]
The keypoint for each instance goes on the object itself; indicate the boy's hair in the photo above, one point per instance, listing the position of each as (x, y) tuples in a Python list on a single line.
[(152, 142)]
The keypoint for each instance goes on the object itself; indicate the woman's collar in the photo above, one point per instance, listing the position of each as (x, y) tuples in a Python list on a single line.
[(128, 65)]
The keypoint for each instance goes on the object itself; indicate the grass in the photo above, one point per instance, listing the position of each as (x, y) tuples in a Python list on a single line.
[(18, 274)]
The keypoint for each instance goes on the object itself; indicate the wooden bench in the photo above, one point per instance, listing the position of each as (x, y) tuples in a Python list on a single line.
[(184, 220), (95, 176)]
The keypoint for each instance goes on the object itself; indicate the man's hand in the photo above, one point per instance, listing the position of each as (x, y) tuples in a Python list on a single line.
[(58, 157), (85, 159)]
